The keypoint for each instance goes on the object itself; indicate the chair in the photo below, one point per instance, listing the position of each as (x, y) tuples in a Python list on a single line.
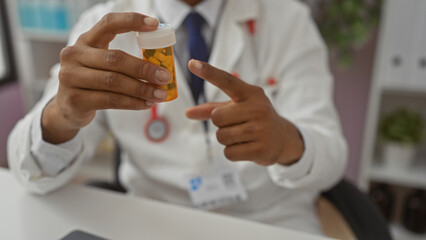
[(344, 211), (356, 210)]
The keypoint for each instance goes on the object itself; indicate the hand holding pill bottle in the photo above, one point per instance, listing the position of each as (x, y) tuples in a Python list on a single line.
[(157, 48)]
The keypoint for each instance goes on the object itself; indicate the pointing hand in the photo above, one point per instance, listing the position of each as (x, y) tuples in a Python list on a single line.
[(249, 126)]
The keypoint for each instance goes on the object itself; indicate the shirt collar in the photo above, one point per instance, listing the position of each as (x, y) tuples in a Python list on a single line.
[(174, 12)]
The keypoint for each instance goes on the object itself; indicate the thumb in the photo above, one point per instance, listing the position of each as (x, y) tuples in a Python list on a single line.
[(202, 112)]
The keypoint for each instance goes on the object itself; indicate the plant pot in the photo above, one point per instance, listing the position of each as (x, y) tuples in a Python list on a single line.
[(397, 155)]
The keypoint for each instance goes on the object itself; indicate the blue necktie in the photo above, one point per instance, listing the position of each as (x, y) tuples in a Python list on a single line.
[(197, 50)]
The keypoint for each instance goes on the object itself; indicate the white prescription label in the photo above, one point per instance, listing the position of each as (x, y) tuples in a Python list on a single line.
[(216, 189)]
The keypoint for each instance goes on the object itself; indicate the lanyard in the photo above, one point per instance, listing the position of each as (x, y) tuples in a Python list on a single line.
[(154, 109), (208, 143), (203, 95)]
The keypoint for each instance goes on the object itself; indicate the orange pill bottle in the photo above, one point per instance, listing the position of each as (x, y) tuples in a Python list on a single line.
[(157, 48)]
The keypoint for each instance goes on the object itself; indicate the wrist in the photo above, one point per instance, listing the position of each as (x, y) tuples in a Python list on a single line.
[(56, 129), (293, 145)]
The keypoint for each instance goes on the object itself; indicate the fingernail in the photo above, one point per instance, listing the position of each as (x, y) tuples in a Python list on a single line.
[(149, 103), (163, 76), (150, 21), (160, 94), (196, 64)]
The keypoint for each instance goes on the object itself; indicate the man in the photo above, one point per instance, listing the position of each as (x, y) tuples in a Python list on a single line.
[(271, 125)]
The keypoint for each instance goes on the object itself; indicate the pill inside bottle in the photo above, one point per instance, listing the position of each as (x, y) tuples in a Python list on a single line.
[(157, 48)]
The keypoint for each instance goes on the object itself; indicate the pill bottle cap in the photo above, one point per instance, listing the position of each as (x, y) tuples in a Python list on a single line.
[(163, 37)]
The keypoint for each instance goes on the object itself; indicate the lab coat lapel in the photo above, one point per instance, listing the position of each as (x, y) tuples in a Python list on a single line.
[(229, 41)]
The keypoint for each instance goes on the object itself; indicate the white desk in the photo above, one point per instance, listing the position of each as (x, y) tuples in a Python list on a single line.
[(115, 216)]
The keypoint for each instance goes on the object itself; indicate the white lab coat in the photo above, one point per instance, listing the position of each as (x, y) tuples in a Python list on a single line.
[(286, 46)]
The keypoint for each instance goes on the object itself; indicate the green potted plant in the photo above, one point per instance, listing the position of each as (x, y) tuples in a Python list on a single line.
[(402, 131), (346, 25)]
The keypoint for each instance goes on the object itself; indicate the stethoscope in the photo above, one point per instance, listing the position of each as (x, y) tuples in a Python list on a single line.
[(157, 128)]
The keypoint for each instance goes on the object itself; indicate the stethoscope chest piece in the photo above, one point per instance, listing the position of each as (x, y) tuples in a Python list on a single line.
[(157, 128)]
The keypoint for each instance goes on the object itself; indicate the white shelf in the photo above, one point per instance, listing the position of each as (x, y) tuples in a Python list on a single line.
[(45, 35), (414, 177), (400, 233), (414, 87)]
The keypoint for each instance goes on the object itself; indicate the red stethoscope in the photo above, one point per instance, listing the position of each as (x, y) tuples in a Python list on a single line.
[(157, 128)]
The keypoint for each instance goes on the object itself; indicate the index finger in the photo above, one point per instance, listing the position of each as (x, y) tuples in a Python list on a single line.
[(235, 88), (112, 24)]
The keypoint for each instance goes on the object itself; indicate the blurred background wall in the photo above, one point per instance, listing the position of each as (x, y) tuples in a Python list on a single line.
[(11, 109), (352, 88)]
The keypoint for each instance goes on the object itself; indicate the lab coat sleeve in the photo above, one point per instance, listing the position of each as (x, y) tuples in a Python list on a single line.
[(42, 167), (305, 97), (52, 158)]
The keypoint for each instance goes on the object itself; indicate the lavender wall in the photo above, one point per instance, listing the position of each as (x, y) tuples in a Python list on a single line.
[(352, 87), (11, 110)]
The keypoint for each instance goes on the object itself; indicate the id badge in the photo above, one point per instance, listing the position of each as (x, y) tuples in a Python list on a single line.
[(215, 189)]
